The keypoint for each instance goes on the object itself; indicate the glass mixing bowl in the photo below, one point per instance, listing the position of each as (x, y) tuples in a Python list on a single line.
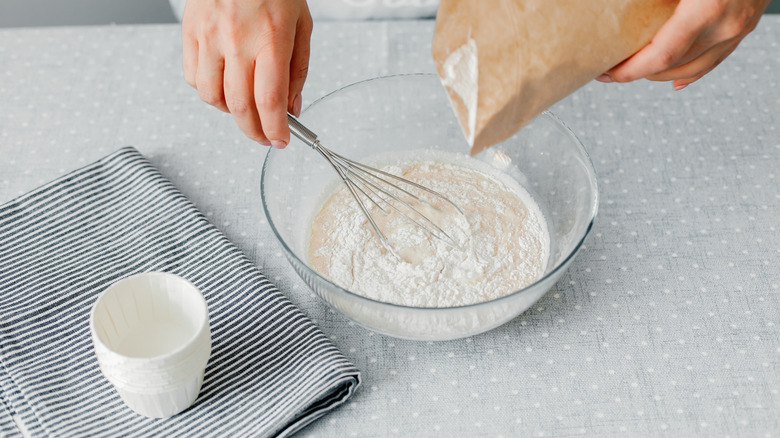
[(412, 112)]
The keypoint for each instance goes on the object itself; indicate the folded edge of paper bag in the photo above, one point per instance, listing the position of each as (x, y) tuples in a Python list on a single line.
[(505, 62)]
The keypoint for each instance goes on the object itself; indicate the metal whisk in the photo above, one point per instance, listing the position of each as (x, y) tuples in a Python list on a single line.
[(379, 187)]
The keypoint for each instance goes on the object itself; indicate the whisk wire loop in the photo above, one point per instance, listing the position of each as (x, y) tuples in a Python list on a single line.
[(443, 235), (375, 185)]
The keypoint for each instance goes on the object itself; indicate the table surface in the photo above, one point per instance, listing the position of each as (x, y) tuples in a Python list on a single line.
[(665, 324)]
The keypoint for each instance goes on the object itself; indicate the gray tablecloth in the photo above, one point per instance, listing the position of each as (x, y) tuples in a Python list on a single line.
[(666, 323)]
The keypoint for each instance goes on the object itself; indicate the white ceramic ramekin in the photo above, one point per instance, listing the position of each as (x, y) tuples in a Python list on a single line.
[(152, 341)]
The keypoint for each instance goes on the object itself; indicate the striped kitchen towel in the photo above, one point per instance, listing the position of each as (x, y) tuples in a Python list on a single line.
[(271, 372)]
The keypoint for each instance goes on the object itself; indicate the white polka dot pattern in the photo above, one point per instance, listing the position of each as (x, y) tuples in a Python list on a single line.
[(665, 325)]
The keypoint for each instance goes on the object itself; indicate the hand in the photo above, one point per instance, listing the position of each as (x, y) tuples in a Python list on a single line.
[(699, 35), (249, 58)]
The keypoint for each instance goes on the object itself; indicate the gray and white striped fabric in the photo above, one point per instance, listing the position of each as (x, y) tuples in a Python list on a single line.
[(271, 372)]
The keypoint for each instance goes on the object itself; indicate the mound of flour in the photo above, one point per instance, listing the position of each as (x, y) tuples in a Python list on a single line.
[(502, 241)]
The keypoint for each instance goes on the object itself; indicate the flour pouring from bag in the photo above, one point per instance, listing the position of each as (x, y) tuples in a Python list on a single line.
[(504, 62)]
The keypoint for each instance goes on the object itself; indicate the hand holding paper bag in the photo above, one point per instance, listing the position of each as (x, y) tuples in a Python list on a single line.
[(505, 62), (698, 37), (503, 65)]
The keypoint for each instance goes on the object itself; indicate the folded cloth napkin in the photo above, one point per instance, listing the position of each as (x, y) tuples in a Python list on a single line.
[(271, 372)]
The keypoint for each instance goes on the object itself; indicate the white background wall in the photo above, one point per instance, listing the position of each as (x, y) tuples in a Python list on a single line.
[(17, 13)]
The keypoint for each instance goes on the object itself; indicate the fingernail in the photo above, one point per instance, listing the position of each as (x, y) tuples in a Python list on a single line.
[(679, 87), (264, 142), (604, 78), (278, 144), (297, 105)]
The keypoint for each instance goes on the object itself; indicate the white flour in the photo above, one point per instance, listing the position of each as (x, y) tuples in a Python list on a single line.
[(461, 75), (503, 241)]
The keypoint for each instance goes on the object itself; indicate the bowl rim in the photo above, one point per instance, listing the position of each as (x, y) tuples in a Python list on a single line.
[(563, 263)]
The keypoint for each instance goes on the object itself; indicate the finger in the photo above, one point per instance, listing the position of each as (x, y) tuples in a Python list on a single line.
[(189, 57), (694, 67), (209, 77), (240, 100), (679, 84), (665, 51), (299, 65), (272, 84)]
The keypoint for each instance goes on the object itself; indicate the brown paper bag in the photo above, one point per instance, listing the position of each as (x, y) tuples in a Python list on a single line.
[(503, 62)]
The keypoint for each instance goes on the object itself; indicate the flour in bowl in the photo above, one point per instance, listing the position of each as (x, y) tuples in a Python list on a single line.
[(502, 242)]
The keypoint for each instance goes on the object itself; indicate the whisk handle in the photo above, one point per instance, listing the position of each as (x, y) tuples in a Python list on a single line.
[(297, 129)]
